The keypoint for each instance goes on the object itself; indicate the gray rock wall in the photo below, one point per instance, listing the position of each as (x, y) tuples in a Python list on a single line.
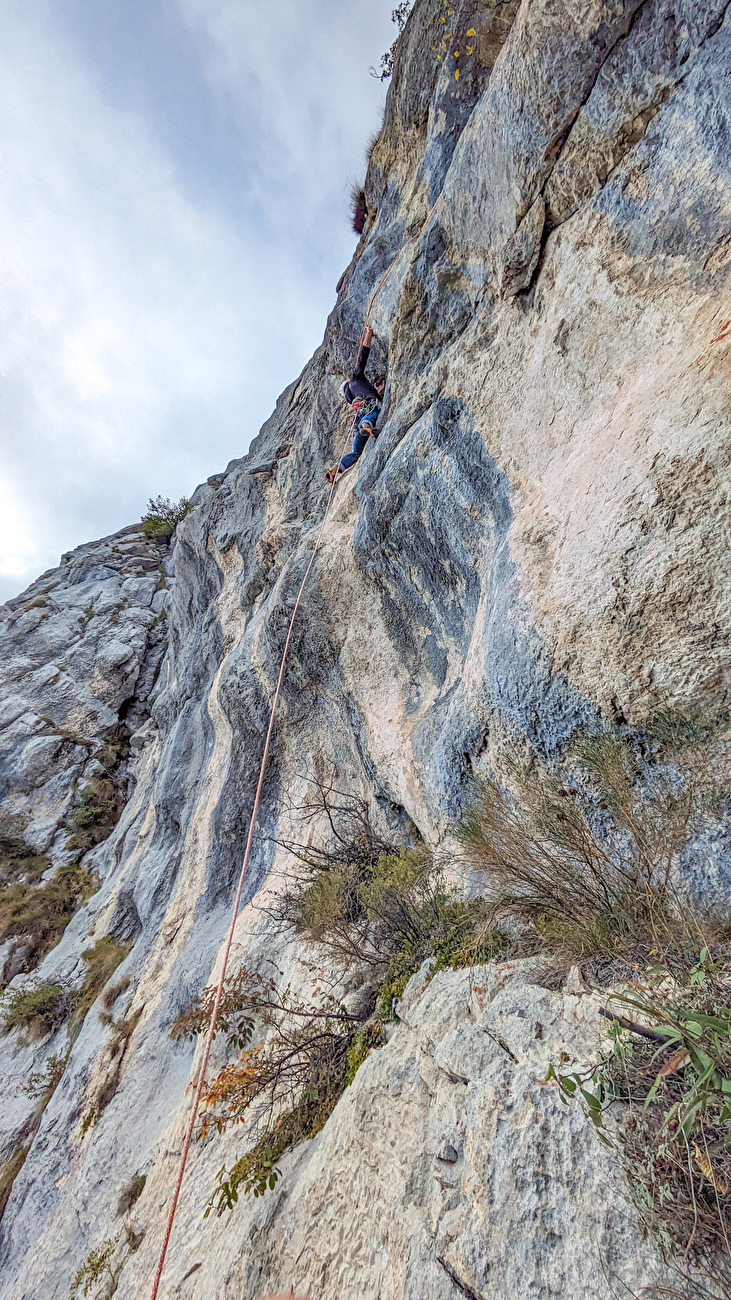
[(538, 538)]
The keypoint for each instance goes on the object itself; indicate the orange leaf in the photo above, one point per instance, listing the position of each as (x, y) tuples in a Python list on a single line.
[(676, 1062)]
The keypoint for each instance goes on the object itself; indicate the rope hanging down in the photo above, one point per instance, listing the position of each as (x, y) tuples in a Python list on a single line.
[(235, 909), (252, 823)]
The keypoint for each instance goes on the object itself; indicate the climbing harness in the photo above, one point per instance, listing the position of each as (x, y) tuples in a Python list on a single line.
[(200, 1083)]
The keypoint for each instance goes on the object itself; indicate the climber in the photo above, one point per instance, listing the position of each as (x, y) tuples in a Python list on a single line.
[(365, 398)]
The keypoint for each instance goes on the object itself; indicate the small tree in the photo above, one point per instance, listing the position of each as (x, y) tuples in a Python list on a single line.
[(399, 16), (163, 516)]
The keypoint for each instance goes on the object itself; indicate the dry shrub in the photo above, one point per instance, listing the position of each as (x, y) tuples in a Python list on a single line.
[(668, 1081), (115, 1052), (586, 866), (115, 991), (101, 961), (131, 1193), (377, 912), (36, 915)]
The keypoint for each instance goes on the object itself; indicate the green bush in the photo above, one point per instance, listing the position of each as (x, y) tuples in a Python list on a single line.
[(36, 915), (163, 516), (17, 860), (668, 1080), (38, 1008)]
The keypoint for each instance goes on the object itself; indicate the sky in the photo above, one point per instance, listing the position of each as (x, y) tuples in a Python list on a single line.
[(173, 222)]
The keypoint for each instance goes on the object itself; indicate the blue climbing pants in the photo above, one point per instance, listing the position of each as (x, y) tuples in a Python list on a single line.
[(360, 439)]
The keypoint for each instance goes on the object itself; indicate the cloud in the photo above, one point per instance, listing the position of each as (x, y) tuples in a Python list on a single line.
[(149, 316)]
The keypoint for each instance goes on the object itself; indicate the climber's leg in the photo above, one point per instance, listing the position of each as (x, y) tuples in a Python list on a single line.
[(364, 430), (359, 443)]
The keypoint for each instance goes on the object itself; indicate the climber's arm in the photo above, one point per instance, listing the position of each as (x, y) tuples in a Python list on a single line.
[(363, 353)]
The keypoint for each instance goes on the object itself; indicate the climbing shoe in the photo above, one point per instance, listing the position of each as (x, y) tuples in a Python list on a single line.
[(332, 473)]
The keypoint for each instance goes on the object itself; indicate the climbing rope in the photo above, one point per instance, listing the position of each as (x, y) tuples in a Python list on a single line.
[(200, 1084), (402, 249), (236, 903)]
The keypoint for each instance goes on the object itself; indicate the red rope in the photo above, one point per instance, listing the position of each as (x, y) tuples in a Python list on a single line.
[(254, 812), (392, 264), (235, 910)]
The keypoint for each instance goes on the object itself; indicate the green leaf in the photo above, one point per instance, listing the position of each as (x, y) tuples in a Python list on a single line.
[(592, 1102)]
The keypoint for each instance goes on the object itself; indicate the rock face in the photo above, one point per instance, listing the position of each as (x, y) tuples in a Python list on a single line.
[(538, 538), (81, 649)]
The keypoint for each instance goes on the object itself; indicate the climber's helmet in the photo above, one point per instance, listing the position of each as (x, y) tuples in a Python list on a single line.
[(345, 390)]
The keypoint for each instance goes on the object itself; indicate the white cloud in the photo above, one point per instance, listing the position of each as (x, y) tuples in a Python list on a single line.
[(144, 332)]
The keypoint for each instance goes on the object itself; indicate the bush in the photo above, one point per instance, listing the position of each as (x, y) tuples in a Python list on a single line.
[(36, 915), (375, 909), (43, 1083), (43, 1008), (586, 867), (391, 911), (101, 961), (39, 1008), (286, 1085), (163, 516), (306, 1067), (371, 1035), (96, 1266), (96, 812), (17, 860), (670, 1077)]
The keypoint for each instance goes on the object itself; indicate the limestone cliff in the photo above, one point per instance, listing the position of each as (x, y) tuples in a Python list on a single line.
[(539, 538)]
